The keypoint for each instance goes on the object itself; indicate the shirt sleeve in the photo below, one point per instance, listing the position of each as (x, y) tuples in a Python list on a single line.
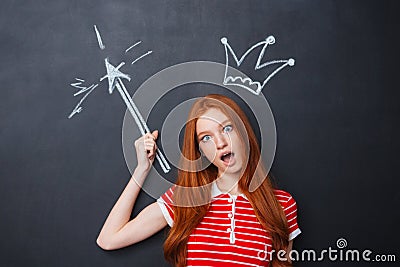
[(165, 202), (290, 209)]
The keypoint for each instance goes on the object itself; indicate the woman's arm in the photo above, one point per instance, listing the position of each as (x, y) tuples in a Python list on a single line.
[(118, 231)]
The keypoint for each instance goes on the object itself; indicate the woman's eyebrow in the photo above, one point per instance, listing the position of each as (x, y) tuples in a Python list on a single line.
[(222, 123)]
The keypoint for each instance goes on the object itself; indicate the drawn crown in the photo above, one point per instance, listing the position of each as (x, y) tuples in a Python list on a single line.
[(247, 83)]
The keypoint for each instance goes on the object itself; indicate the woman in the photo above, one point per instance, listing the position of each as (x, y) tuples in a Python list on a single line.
[(223, 210)]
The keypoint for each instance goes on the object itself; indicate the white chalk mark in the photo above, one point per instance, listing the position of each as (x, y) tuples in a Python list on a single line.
[(114, 77), (112, 74), (79, 86), (159, 156), (247, 83), (101, 45), (142, 56), (84, 89), (120, 65), (143, 128), (78, 107), (120, 87), (132, 46)]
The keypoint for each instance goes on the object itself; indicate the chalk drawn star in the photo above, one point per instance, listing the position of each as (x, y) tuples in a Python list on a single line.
[(112, 74)]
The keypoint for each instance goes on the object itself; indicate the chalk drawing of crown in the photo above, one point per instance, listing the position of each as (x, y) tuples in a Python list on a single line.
[(247, 83)]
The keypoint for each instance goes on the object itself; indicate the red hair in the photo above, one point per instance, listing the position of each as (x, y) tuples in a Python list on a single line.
[(193, 193)]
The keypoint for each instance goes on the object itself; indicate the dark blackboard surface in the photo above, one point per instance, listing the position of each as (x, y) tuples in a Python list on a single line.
[(336, 113)]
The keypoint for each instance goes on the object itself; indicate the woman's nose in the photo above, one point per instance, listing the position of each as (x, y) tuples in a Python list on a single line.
[(221, 140)]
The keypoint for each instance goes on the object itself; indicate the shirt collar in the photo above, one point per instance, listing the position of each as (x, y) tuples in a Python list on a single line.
[(215, 191)]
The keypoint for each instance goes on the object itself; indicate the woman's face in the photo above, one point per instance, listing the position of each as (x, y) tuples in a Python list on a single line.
[(219, 141)]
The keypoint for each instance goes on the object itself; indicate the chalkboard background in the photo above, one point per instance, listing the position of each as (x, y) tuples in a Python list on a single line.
[(336, 114)]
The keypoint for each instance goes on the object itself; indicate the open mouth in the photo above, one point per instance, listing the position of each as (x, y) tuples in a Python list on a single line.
[(227, 157)]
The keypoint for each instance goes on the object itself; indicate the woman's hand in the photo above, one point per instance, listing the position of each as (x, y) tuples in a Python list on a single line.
[(146, 150)]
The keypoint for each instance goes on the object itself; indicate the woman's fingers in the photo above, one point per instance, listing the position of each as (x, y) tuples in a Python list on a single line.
[(150, 144), (146, 148), (152, 135), (150, 150)]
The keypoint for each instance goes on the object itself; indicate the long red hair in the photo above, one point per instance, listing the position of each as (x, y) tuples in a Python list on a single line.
[(193, 204)]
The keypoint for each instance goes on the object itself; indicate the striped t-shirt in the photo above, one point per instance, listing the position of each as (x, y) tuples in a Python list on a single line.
[(230, 233)]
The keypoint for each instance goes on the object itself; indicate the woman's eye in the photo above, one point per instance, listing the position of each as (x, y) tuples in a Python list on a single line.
[(228, 128), (206, 138)]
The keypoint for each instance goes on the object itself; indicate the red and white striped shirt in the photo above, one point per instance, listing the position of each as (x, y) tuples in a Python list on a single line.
[(230, 233)]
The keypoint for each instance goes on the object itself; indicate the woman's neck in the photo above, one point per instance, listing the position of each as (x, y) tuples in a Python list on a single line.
[(228, 184)]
